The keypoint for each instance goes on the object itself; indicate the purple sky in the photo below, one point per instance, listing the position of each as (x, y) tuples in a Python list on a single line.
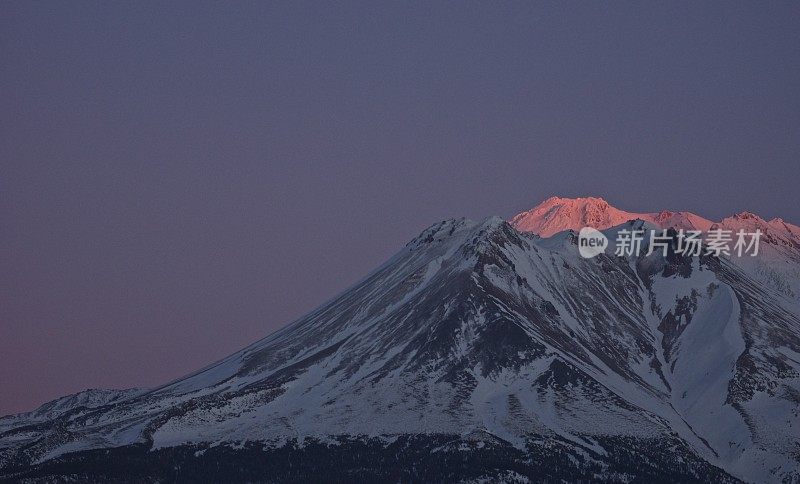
[(179, 180)]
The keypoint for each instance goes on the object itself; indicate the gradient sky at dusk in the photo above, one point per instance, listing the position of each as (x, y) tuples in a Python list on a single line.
[(178, 180)]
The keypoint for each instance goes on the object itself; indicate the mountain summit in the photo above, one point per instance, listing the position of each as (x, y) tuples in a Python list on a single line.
[(557, 214)]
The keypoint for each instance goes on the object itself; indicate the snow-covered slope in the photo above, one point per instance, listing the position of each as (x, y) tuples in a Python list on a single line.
[(777, 265), (87, 399), (480, 343), (778, 262)]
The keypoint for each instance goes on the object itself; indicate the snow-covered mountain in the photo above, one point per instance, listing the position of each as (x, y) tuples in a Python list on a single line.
[(778, 265), (477, 352)]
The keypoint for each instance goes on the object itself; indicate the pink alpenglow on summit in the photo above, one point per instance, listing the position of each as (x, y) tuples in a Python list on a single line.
[(558, 214)]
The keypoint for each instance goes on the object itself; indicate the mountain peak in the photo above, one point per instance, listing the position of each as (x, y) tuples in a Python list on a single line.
[(745, 215), (446, 229), (576, 202), (575, 199), (744, 219), (558, 214)]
